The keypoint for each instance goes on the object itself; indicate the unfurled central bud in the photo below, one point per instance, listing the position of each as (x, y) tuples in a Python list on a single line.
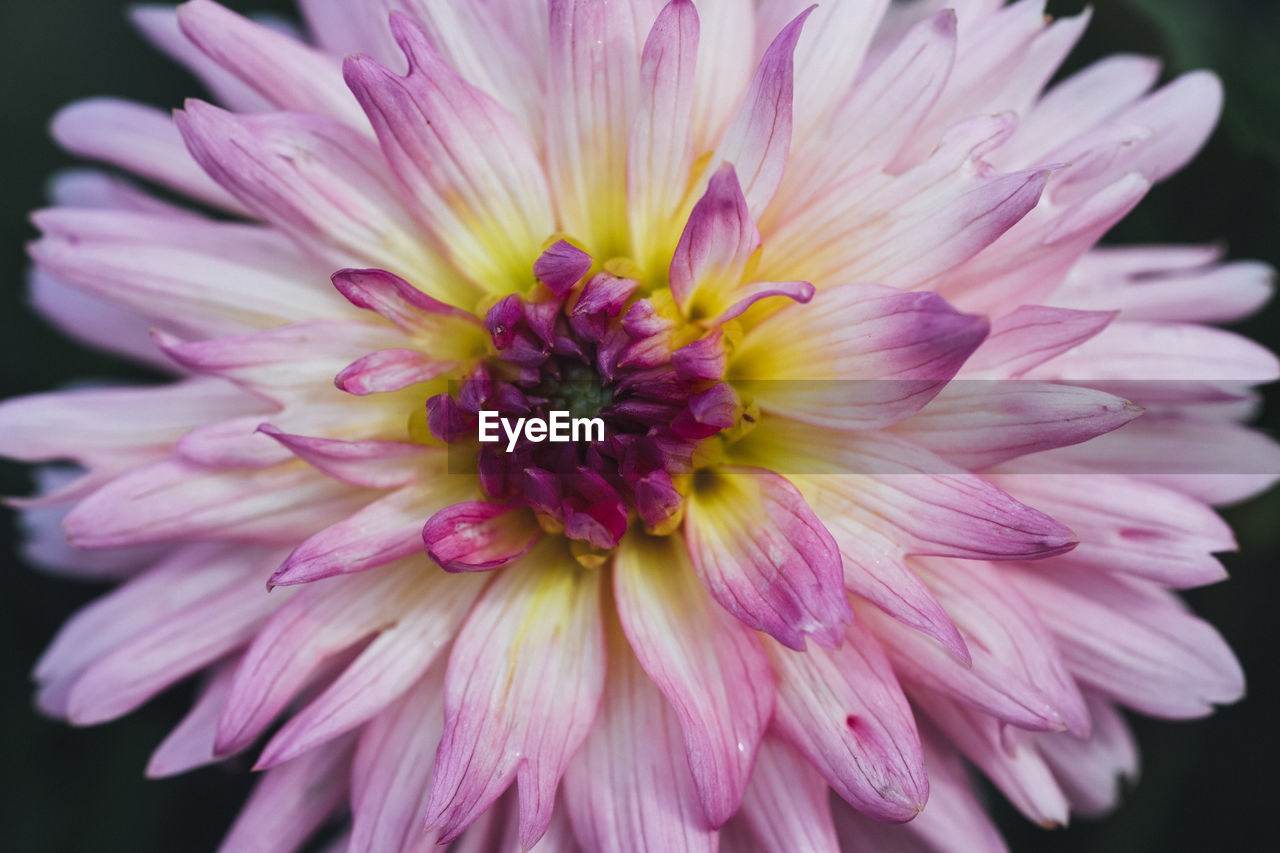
[(587, 346), (579, 390)]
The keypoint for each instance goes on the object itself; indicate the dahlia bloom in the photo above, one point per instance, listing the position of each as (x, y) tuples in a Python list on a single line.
[(897, 475)]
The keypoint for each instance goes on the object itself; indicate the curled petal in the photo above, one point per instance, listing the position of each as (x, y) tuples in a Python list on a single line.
[(718, 239), (560, 267), (477, 536), (389, 370), (395, 299)]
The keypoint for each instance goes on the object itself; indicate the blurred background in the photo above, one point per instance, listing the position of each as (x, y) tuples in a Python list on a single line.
[(1206, 785)]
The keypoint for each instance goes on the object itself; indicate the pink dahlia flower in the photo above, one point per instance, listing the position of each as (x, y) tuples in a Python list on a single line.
[(886, 473)]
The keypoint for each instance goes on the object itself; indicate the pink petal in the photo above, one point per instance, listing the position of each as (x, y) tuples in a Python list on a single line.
[(391, 773), (192, 274), (371, 464), (1135, 642), (478, 535), (954, 817), (316, 623), (724, 68), (1033, 256), (1031, 336), (181, 579), (798, 291), (871, 228), (1008, 756), (786, 806), (1016, 672), (978, 424), (1126, 525), (1211, 294), (702, 360), (96, 426), (463, 162), (319, 181), (629, 788), (173, 500), (765, 557), (277, 361), (292, 801), (235, 443), (488, 47), (384, 670), (395, 299), (869, 128), (954, 231), (875, 568), (757, 141), (1212, 460), (660, 151), (1083, 100), (340, 27), (45, 543), (1164, 351), (159, 25), (1090, 771), (713, 250), (190, 744), (561, 266), (593, 97), (95, 321), (858, 357), (926, 505), (844, 711), (523, 685), (95, 190), (709, 666), (139, 139), (390, 370), (1181, 115), (380, 531), (830, 53), (167, 650), (287, 73)]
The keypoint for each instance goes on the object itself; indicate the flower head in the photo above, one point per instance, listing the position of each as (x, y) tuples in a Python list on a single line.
[(611, 425)]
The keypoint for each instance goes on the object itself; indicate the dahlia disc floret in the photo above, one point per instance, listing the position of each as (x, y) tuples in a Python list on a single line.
[(610, 425)]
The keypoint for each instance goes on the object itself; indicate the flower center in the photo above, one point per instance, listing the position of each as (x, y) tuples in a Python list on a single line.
[(587, 350), (579, 390)]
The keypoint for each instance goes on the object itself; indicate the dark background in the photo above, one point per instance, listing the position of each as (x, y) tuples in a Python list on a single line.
[(1206, 785)]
